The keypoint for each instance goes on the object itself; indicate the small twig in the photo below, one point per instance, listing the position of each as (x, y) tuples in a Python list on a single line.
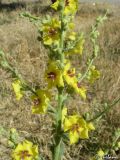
[(8, 67), (105, 111), (85, 74)]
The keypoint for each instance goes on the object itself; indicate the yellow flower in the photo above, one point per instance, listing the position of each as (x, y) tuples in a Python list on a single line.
[(71, 35), (77, 127), (80, 90), (69, 74), (54, 75), (93, 74), (51, 32), (70, 6), (99, 156), (25, 151), (13, 130), (100, 153), (78, 48), (40, 101), (70, 78), (17, 86)]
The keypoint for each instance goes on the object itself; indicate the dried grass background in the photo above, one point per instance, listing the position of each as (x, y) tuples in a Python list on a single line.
[(18, 39)]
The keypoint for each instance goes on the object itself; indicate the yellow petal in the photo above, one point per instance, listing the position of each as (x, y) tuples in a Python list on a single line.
[(74, 137), (72, 36), (19, 147), (70, 121), (84, 134), (60, 80), (70, 78), (90, 126), (17, 86), (47, 40), (82, 122), (35, 151), (67, 124), (55, 5), (43, 98), (82, 92), (39, 110), (100, 153)]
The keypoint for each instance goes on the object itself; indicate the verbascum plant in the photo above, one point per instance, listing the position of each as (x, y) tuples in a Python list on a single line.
[(57, 36)]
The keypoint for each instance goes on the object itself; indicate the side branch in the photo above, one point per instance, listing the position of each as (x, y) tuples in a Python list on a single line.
[(105, 111)]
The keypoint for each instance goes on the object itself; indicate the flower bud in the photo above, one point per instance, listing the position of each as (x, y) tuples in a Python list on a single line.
[(118, 144)]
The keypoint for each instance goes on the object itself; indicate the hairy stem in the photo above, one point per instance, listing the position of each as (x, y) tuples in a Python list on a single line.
[(62, 33), (85, 74), (58, 140), (58, 137)]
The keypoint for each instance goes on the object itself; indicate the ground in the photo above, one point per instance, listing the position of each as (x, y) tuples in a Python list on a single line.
[(18, 39)]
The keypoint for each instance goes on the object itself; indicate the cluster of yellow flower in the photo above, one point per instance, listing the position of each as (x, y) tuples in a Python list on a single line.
[(55, 75), (59, 76), (70, 6)]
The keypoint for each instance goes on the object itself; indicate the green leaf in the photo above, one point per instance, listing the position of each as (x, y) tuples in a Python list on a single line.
[(14, 137)]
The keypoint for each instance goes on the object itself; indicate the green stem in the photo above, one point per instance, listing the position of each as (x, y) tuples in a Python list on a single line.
[(105, 111), (28, 15), (62, 33), (8, 67), (85, 74), (93, 40), (58, 137), (24, 85), (14, 72), (58, 140)]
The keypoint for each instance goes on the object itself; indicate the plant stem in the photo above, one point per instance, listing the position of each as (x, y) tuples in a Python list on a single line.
[(15, 73), (61, 17), (85, 74), (93, 40), (20, 78), (58, 140), (105, 111), (57, 155)]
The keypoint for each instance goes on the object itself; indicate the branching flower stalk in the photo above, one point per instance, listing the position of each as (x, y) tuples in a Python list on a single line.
[(5, 64), (94, 36), (106, 110)]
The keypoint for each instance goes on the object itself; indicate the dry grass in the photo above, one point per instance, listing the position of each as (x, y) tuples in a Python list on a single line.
[(18, 38)]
